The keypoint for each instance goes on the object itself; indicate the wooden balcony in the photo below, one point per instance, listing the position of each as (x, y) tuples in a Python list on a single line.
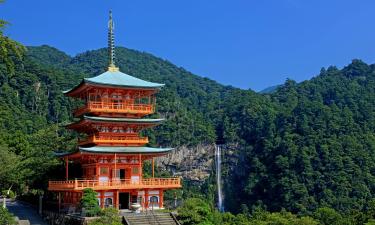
[(77, 185), (111, 107), (114, 139)]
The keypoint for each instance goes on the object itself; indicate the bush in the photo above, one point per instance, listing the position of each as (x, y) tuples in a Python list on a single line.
[(89, 202), (195, 211), (6, 218), (108, 216), (328, 216), (11, 194)]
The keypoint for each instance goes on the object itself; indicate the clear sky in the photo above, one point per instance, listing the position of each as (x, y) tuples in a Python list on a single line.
[(245, 43)]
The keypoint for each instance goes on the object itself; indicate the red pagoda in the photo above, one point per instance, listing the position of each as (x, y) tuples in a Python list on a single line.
[(113, 152)]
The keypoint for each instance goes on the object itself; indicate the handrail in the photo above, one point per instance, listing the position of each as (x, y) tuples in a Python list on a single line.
[(119, 138), (83, 183), (124, 139), (118, 107), (175, 218), (126, 220)]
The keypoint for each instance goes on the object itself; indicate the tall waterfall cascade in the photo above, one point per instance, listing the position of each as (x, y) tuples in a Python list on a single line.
[(220, 204)]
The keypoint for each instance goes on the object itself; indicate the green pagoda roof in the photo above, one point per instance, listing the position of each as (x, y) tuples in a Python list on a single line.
[(117, 79), (130, 150), (115, 149)]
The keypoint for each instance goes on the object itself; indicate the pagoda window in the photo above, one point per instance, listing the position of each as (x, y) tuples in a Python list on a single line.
[(154, 200), (135, 170), (116, 96), (105, 97), (104, 171), (92, 97), (108, 202), (117, 130), (104, 129), (135, 199), (123, 160), (129, 130), (134, 161)]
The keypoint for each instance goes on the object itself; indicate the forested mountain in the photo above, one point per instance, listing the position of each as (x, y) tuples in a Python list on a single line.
[(304, 146), (313, 147)]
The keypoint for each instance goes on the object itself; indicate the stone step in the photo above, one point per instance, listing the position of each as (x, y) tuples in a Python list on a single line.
[(150, 219)]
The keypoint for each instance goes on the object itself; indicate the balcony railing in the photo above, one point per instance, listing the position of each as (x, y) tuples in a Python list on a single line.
[(114, 107), (114, 139), (77, 184)]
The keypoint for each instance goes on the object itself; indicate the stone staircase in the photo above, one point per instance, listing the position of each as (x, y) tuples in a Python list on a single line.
[(150, 218)]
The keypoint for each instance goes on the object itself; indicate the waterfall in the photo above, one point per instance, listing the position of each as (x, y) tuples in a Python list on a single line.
[(220, 204)]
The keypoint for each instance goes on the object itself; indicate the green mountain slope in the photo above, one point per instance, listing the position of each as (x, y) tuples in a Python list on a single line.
[(301, 147), (315, 147)]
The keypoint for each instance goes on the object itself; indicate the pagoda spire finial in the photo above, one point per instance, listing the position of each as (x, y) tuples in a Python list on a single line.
[(111, 44)]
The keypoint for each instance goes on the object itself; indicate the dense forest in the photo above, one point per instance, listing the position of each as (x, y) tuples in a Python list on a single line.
[(306, 148)]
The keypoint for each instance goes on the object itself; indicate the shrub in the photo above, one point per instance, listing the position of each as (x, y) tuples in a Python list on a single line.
[(6, 218), (89, 202)]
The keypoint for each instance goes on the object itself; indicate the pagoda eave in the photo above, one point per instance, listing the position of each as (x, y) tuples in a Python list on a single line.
[(87, 84), (147, 152), (89, 120)]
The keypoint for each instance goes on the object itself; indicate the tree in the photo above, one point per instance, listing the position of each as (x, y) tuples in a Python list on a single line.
[(261, 217), (108, 216), (10, 50), (6, 218), (328, 216), (11, 173), (195, 211), (89, 202)]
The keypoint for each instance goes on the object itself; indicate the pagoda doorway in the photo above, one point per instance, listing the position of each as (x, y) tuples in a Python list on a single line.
[(124, 198), (122, 174)]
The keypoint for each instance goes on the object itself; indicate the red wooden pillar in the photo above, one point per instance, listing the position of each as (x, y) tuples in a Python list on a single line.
[(102, 199), (97, 171), (66, 168), (59, 196), (146, 199), (117, 199), (153, 167), (161, 204), (140, 168), (115, 173)]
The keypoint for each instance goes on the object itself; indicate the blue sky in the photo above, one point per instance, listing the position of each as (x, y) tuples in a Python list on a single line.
[(244, 43)]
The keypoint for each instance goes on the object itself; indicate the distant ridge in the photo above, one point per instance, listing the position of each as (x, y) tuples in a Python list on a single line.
[(270, 89)]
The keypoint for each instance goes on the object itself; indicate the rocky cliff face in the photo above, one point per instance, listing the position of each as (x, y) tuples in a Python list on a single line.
[(196, 163), (192, 163)]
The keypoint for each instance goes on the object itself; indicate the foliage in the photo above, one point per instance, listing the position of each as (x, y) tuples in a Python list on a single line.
[(195, 211), (108, 216), (6, 218), (8, 194), (280, 218), (89, 202), (328, 216), (10, 50), (309, 145), (10, 167)]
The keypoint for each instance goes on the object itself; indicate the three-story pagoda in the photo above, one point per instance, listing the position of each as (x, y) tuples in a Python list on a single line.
[(113, 152)]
